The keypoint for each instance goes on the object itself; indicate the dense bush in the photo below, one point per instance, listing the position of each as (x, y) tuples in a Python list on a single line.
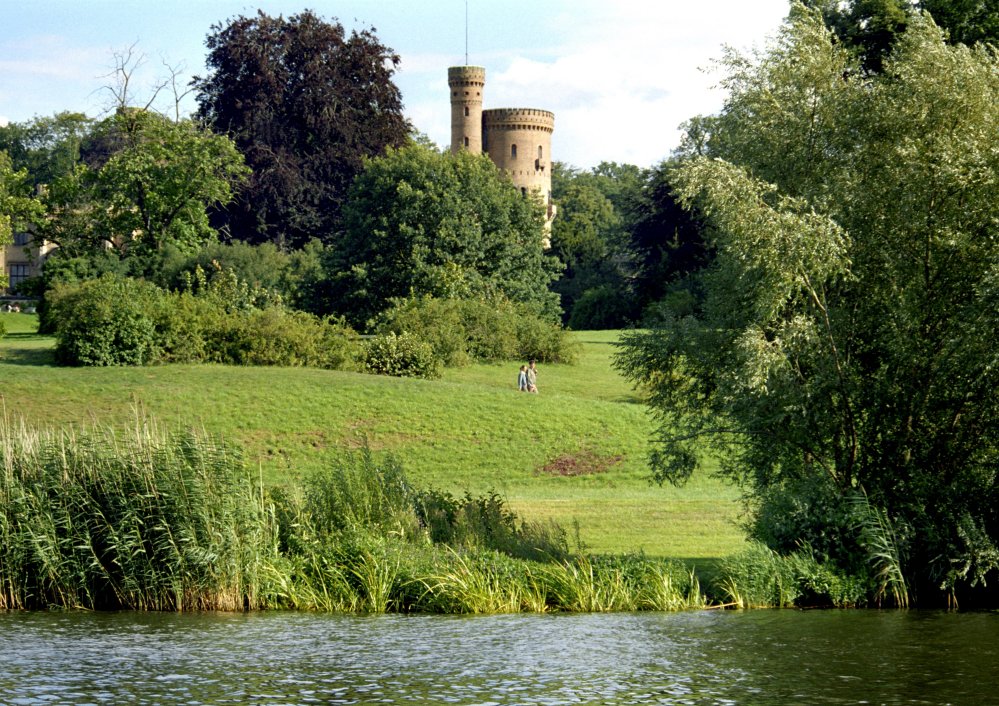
[(599, 308), (461, 331), (107, 321), (761, 577), (120, 321), (402, 355)]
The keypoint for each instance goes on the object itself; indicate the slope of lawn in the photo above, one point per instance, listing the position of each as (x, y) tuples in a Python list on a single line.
[(575, 453)]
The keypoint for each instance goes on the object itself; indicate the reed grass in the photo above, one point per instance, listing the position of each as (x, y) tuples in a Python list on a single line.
[(99, 518)]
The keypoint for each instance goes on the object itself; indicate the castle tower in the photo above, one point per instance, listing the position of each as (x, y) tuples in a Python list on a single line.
[(466, 83), (519, 141)]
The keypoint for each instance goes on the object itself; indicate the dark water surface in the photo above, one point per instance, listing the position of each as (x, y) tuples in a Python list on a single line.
[(709, 657)]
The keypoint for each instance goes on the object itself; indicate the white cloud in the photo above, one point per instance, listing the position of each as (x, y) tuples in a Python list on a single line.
[(620, 77)]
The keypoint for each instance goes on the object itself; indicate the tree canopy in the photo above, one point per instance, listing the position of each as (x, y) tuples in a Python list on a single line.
[(422, 222), (846, 345), (305, 104), (150, 184)]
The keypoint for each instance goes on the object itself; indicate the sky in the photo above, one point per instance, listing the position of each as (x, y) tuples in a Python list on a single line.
[(620, 75)]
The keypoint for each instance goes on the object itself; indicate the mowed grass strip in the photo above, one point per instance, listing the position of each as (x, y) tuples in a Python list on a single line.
[(576, 452)]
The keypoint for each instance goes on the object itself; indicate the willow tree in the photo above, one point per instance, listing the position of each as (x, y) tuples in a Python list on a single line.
[(847, 344)]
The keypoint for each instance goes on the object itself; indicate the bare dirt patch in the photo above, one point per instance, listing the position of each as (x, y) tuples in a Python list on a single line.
[(581, 463)]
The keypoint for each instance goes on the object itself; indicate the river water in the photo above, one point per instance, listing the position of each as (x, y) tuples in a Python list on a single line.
[(704, 657)]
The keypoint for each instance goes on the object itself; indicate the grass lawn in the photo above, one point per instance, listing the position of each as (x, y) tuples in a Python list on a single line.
[(575, 453)]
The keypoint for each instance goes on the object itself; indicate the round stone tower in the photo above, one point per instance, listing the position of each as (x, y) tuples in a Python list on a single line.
[(466, 83), (519, 141)]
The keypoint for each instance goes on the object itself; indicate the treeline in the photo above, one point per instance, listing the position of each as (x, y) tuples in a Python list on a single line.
[(350, 208)]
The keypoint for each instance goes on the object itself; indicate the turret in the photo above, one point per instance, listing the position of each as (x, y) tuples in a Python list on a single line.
[(466, 84)]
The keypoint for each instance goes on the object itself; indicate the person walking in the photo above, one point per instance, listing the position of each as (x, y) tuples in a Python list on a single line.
[(532, 377), (522, 379)]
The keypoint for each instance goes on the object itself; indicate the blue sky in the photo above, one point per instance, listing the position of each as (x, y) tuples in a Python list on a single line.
[(620, 75)]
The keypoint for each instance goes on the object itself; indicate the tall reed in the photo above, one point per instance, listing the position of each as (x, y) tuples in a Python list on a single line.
[(96, 518)]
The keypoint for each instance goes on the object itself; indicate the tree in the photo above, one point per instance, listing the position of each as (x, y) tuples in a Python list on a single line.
[(151, 183), (305, 104), (870, 27), (422, 222), (48, 148), (845, 355), (590, 237), (669, 243)]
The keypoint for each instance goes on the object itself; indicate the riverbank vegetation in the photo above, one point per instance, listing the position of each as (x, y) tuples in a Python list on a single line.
[(101, 519)]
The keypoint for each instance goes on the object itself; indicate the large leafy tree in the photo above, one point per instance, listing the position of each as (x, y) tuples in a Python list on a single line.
[(846, 345), (150, 184), (422, 222), (305, 103)]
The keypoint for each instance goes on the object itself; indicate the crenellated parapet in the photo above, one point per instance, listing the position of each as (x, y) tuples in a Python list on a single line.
[(518, 119)]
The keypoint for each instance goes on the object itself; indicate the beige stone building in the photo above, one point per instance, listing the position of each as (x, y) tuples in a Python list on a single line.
[(21, 260), (517, 140)]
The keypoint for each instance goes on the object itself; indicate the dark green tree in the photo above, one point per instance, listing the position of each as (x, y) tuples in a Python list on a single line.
[(870, 27), (669, 244), (843, 366), (422, 222), (48, 148), (590, 237), (305, 103)]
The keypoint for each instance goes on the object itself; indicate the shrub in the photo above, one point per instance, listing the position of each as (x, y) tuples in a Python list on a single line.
[(599, 308), (402, 355), (107, 321), (461, 331), (485, 522), (120, 321), (760, 577)]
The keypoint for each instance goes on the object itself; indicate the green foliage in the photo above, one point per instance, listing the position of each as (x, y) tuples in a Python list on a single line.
[(486, 522), (306, 104), (845, 336), (121, 321), (48, 148), (17, 208), (107, 321), (600, 308), (401, 355), (420, 222), (760, 578), (158, 186), (590, 237), (359, 493), (100, 520), (461, 331)]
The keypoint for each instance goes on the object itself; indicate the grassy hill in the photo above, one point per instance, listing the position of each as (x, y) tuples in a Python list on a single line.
[(575, 453)]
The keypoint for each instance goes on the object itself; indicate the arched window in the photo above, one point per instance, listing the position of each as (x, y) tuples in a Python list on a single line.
[(466, 111), (540, 156), (466, 142), (513, 151)]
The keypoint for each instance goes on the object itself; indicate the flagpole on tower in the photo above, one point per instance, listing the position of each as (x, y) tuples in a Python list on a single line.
[(466, 32)]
